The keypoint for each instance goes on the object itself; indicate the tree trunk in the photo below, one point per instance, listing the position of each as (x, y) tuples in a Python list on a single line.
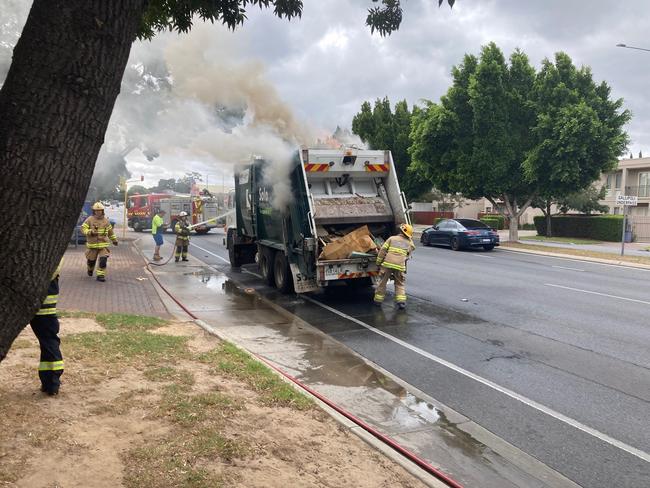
[(513, 229), (549, 230), (55, 103)]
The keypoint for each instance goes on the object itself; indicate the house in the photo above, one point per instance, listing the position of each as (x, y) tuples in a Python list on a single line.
[(631, 177)]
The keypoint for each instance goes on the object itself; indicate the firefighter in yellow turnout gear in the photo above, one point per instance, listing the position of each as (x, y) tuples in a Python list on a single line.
[(45, 325), (99, 234), (392, 258), (182, 231)]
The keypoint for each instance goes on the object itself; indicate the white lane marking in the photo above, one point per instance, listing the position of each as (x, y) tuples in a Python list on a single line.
[(210, 252), (581, 261), (526, 401), (598, 293), (483, 256), (566, 267), (251, 273)]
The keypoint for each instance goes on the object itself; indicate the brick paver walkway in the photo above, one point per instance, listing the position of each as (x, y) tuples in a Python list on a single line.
[(128, 287)]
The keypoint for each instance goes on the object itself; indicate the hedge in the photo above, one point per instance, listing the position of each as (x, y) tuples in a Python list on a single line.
[(599, 227), (494, 221)]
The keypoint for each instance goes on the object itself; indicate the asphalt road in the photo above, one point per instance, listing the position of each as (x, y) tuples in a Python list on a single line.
[(552, 355)]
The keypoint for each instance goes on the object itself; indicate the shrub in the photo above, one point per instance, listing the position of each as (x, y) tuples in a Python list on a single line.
[(599, 227), (495, 221), (528, 227)]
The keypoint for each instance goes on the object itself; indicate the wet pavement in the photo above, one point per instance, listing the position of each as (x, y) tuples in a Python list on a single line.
[(295, 338)]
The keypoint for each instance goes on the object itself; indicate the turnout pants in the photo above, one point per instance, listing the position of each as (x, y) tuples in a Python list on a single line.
[(93, 255), (181, 248), (50, 369), (400, 285)]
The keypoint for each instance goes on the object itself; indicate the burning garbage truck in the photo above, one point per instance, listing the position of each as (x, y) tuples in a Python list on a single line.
[(341, 205)]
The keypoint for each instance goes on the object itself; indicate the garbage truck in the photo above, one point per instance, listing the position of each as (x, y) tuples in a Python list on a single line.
[(336, 207)]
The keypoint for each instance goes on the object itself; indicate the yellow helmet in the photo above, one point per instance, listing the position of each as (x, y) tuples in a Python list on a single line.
[(406, 229), (97, 206)]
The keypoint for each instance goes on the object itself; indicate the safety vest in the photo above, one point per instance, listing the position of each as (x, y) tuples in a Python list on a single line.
[(394, 253), (156, 224), (103, 229)]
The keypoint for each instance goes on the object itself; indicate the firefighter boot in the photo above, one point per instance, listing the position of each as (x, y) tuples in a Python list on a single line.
[(176, 259), (401, 306), (90, 267)]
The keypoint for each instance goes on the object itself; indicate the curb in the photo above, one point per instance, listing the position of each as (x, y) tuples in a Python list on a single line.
[(611, 262)]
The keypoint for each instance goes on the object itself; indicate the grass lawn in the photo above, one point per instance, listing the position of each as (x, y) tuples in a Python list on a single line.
[(149, 403), (568, 240)]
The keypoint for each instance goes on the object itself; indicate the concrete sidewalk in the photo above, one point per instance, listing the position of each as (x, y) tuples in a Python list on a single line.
[(232, 308)]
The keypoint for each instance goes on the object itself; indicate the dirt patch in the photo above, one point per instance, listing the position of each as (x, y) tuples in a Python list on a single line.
[(189, 418)]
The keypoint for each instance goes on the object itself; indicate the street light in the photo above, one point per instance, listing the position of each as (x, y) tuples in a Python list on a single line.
[(632, 47)]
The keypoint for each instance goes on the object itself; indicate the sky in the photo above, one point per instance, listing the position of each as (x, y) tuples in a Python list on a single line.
[(317, 70)]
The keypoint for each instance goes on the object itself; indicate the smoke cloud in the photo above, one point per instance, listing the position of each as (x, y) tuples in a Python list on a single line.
[(190, 102)]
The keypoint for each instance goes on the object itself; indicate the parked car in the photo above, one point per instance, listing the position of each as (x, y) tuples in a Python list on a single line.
[(459, 234)]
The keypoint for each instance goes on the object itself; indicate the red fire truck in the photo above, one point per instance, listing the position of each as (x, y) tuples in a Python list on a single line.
[(142, 208)]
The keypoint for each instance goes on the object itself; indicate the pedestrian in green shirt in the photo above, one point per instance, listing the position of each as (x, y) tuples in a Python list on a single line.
[(157, 227)]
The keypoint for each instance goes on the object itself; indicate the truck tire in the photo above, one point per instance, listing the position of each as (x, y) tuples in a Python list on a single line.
[(137, 226), (235, 259), (172, 227), (202, 231), (266, 265), (282, 273)]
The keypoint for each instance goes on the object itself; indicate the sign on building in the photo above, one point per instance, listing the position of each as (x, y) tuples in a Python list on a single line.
[(627, 200)]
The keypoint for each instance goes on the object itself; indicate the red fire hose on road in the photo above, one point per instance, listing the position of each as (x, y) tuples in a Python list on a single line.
[(378, 435)]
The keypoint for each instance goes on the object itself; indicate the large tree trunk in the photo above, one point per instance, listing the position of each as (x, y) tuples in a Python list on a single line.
[(55, 105)]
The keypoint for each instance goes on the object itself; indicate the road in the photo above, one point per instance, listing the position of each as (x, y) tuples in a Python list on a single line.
[(550, 354)]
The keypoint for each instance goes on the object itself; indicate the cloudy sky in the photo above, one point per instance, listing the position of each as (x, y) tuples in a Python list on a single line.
[(326, 64)]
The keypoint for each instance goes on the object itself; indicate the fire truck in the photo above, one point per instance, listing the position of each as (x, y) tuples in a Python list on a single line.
[(142, 208)]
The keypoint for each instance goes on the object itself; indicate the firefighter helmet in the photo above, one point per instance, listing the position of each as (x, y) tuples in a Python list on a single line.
[(182, 214), (97, 206), (406, 229)]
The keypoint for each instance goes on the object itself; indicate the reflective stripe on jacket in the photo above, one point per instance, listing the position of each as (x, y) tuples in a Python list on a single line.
[(394, 253), (48, 307), (102, 228), (182, 231)]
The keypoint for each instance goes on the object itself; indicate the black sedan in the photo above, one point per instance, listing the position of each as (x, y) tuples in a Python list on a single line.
[(459, 234)]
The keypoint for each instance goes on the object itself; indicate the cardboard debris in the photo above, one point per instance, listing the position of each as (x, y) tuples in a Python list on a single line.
[(359, 240)]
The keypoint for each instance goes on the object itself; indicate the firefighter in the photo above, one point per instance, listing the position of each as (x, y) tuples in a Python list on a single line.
[(157, 227), (392, 258), (98, 231), (45, 325), (182, 231)]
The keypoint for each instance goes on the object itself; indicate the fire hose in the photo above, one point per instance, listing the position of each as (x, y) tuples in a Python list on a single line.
[(189, 227), (421, 463)]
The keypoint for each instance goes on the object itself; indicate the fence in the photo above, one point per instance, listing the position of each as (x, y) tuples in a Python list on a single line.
[(640, 225), (427, 218)]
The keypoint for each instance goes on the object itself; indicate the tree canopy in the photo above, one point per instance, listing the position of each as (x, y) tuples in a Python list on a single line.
[(510, 134), (382, 128)]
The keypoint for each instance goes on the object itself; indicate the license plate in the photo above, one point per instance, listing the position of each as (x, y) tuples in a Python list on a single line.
[(487, 240)]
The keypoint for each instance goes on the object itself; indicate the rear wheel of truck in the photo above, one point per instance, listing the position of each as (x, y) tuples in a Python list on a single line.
[(202, 231), (235, 258), (137, 226), (282, 273), (266, 265)]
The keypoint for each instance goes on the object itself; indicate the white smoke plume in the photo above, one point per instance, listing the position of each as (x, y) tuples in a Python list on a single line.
[(188, 102)]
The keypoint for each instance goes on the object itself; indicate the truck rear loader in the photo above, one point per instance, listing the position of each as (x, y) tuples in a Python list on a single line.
[(331, 192)]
